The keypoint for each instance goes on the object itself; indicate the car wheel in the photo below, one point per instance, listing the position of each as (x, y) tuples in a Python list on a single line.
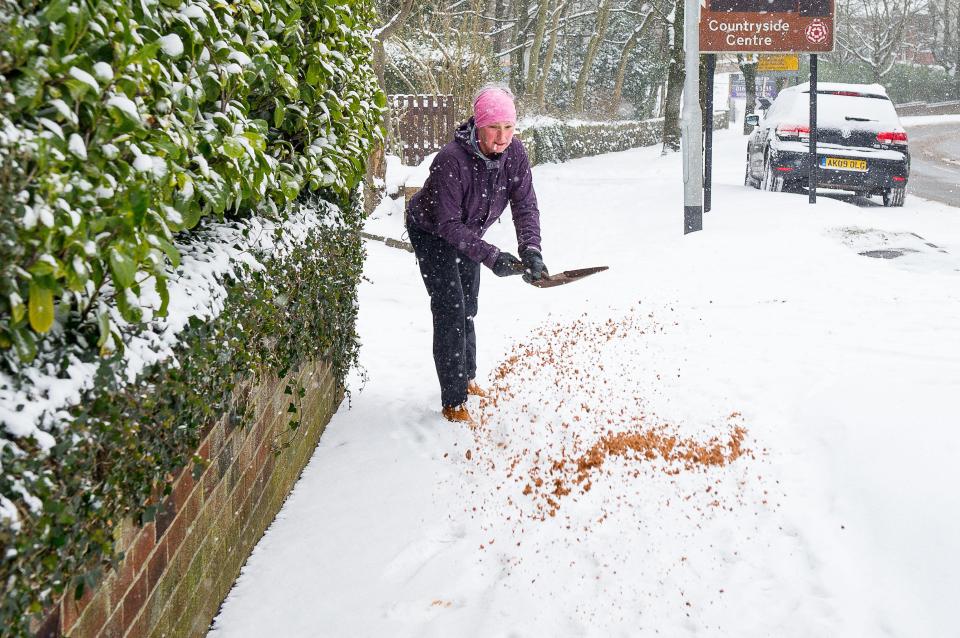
[(894, 196), (748, 179), (792, 186), (771, 181)]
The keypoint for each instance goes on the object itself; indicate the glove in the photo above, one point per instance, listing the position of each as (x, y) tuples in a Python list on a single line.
[(507, 265), (533, 266)]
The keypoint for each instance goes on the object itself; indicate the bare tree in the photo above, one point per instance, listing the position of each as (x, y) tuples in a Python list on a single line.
[(593, 46), (451, 52), (558, 52), (495, 11), (944, 37), (675, 77), (395, 16), (635, 36), (872, 31), (518, 54), (397, 13), (539, 32), (559, 15), (528, 35)]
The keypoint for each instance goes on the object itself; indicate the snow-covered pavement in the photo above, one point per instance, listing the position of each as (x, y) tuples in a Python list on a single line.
[(747, 431)]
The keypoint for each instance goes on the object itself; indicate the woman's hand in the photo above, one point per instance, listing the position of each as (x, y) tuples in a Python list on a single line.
[(534, 268), (507, 265)]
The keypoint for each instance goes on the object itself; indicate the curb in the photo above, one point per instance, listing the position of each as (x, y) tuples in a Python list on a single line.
[(389, 241)]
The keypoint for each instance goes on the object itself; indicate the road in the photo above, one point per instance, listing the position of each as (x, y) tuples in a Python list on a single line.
[(935, 162)]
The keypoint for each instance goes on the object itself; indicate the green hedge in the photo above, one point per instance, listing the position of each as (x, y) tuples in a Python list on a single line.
[(126, 439), (904, 82), (548, 140), (123, 122), (559, 141), (127, 128)]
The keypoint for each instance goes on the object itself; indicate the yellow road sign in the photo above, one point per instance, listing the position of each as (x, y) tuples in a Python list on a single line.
[(786, 62)]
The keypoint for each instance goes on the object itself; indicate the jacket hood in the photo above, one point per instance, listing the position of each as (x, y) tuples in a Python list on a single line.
[(466, 136)]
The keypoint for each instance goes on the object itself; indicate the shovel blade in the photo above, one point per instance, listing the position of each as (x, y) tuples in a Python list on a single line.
[(567, 276)]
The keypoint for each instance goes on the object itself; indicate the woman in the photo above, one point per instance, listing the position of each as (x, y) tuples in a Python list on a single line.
[(471, 181)]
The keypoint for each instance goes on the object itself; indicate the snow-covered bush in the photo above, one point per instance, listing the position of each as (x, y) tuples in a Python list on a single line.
[(903, 82), (139, 142), (267, 297), (550, 140), (122, 123)]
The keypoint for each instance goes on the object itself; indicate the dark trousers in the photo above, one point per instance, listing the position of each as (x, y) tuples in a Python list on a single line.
[(453, 283)]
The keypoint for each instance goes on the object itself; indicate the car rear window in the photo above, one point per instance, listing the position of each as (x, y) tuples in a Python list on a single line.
[(835, 110)]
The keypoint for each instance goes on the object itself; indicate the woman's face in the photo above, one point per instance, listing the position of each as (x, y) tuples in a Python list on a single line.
[(495, 138)]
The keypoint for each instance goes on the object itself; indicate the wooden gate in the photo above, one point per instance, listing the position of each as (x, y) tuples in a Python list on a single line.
[(421, 125)]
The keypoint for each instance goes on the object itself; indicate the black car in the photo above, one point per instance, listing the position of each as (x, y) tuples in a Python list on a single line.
[(861, 145)]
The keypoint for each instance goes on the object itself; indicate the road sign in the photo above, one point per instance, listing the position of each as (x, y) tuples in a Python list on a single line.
[(779, 63), (764, 86), (767, 26)]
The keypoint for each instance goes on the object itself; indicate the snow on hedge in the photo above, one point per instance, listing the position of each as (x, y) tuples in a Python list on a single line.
[(37, 407)]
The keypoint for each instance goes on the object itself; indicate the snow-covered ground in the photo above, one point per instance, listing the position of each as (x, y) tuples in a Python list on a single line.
[(747, 431)]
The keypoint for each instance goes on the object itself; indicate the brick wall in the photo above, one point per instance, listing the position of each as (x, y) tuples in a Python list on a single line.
[(178, 568)]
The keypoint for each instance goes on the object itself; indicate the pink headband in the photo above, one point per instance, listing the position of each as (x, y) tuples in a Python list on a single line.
[(493, 106)]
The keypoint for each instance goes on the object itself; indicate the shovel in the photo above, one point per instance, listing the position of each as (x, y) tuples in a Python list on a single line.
[(565, 277)]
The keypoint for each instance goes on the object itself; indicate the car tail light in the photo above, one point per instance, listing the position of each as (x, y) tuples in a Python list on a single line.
[(784, 169), (892, 137), (899, 179), (792, 131)]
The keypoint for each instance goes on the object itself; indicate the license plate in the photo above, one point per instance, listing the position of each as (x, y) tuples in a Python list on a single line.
[(843, 164)]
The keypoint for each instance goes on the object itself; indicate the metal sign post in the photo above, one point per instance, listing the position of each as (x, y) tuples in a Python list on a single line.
[(691, 122), (711, 60), (814, 165)]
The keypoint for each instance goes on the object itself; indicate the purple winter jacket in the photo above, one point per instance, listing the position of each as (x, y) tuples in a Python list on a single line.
[(467, 192)]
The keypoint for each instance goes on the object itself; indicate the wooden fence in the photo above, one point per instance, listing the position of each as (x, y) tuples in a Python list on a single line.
[(421, 125)]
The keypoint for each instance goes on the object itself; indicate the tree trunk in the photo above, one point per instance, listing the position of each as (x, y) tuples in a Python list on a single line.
[(559, 15), (494, 9), (600, 30), (376, 164), (749, 70), (383, 34), (518, 57), (539, 31), (635, 37), (675, 79)]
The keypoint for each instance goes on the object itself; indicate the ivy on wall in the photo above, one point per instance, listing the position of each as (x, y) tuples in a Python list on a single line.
[(126, 439), (126, 128)]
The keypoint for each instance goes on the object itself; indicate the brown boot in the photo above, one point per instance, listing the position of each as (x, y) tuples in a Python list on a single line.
[(474, 389), (457, 413)]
